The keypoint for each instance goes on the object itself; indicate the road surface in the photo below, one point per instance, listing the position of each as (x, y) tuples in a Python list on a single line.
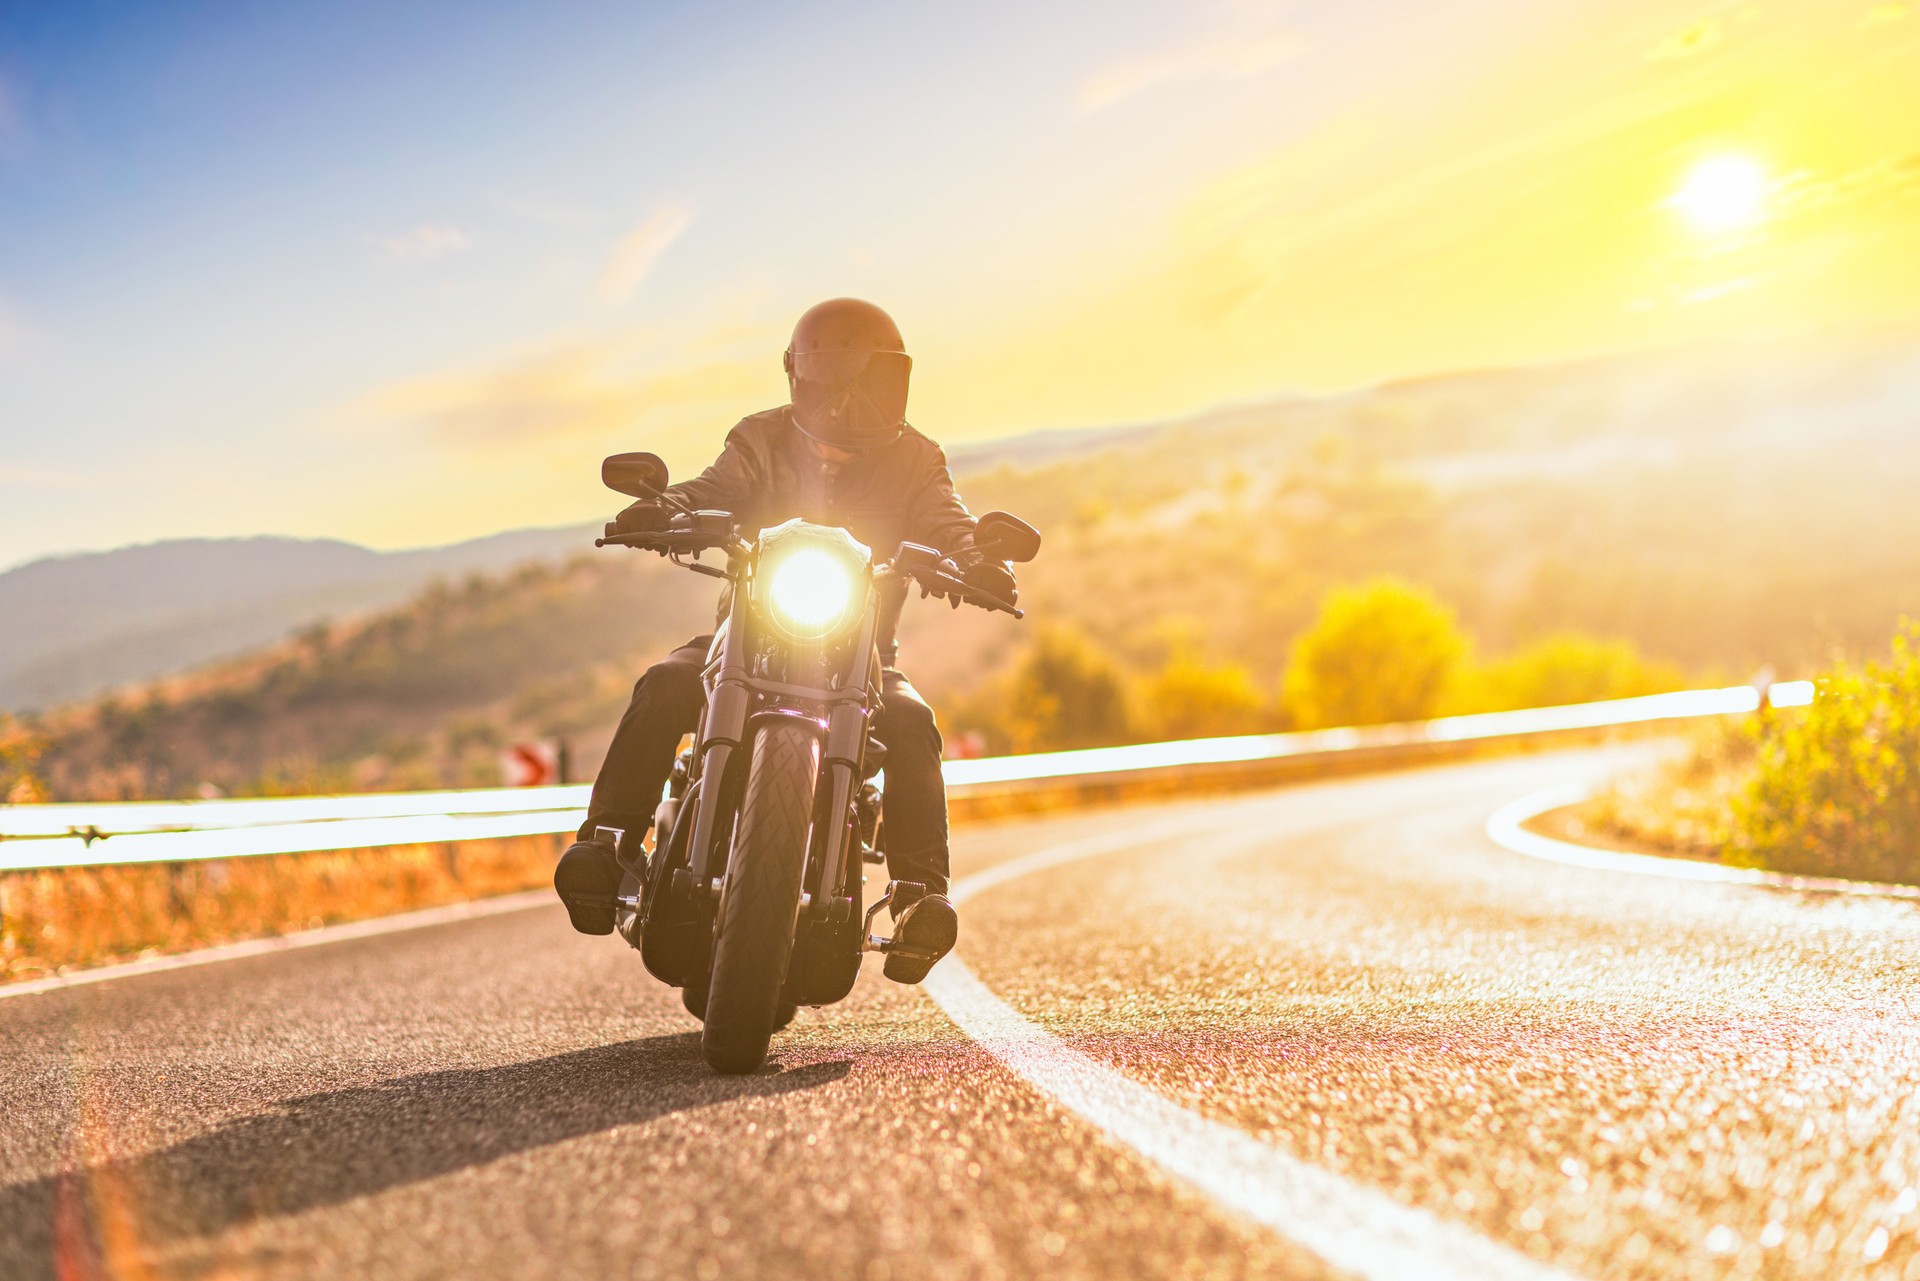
[(1329, 1030)]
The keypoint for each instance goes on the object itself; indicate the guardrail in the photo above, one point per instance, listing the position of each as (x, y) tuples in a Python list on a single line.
[(38, 837)]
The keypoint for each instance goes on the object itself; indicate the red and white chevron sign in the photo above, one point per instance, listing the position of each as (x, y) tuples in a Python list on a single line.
[(535, 764)]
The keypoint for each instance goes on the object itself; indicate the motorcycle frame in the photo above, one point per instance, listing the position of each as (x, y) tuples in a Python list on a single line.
[(838, 713)]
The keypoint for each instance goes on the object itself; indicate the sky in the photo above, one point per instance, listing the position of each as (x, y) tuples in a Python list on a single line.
[(401, 273)]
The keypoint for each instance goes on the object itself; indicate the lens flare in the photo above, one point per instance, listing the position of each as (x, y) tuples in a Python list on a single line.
[(810, 590), (1722, 194)]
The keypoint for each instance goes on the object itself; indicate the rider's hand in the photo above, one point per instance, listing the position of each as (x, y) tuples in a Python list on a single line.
[(644, 517), (991, 578)]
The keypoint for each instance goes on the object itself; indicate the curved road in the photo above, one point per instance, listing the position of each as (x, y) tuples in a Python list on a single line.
[(1330, 1030)]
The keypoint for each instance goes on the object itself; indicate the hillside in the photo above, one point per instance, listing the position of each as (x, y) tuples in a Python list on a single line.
[(1719, 509), (72, 626)]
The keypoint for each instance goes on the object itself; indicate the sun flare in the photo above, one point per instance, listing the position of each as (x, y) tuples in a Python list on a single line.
[(1723, 193)]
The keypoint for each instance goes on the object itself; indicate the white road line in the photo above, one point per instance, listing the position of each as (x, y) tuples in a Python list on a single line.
[(1355, 1229), (1506, 829), (444, 915)]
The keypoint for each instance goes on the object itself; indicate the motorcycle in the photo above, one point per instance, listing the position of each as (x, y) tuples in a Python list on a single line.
[(750, 898)]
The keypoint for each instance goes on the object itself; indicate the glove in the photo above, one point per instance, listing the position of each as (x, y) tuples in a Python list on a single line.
[(643, 517), (992, 578)]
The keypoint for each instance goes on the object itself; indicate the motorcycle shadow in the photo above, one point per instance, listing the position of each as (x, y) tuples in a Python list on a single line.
[(322, 1149)]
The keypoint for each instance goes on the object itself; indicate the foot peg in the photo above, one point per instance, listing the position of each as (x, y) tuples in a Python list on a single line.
[(925, 929)]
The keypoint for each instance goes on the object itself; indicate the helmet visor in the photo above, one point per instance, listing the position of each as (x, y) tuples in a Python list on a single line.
[(851, 399)]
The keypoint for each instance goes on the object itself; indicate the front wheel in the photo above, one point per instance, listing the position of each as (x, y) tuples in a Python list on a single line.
[(760, 902)]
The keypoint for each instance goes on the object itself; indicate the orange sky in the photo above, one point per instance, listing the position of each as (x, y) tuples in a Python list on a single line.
[(1081, 215)]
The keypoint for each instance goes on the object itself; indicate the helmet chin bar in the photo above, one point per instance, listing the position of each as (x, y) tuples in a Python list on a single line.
[(847, 416)]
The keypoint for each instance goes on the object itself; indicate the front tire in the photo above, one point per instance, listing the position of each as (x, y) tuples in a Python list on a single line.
[(760, 903)]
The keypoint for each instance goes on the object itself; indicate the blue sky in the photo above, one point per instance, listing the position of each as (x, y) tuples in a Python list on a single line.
[(401, 272)]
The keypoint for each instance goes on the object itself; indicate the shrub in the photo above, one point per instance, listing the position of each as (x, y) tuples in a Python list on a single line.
[(1836, 785), (1383, 651), (1190, 698), (1065, 693), (1567, 668)]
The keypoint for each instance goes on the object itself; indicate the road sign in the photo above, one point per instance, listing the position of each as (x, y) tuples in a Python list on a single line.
[(533, 764)]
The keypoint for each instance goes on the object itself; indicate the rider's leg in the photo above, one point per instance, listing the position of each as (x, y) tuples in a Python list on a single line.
[(914, 827), (666, 706), (914, 810)]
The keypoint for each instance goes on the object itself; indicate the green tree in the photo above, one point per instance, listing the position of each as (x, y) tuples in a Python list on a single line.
[(1065, 693), (1190, 698), (1383, 651)]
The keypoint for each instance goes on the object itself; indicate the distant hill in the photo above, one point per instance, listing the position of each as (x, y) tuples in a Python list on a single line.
[(73, 626), (1719, 508)]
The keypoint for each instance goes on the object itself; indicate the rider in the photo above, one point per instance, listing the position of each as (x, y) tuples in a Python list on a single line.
[(841, 453)]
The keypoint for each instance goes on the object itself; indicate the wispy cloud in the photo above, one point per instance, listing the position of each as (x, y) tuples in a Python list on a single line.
[(586, 387), (1245, 45), (1689, 42), (423, 243), (1882, 14), (640, 249)]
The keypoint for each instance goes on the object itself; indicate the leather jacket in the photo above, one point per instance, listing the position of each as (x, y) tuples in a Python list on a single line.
[(900, 492), (768, 473)]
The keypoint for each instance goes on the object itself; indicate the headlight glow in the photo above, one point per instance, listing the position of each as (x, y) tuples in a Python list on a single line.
[(813, 581), (810, 589)]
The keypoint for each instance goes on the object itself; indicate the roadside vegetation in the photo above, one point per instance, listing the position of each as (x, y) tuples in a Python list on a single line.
[(1832, 789), (1376, 652), (76, 917)]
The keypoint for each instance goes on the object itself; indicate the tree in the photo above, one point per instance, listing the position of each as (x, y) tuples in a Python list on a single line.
[(1193, 699), (1065, 693), (1383, 651), (20, 750)]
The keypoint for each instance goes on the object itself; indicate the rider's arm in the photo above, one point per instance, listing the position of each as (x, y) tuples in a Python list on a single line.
[(729, 484), (936, 517)]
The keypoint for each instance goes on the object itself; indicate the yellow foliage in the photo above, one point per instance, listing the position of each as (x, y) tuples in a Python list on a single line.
[(1192, 699), (1380, 652)]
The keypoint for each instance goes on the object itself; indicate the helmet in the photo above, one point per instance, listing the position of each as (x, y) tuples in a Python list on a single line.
[(847, 368)]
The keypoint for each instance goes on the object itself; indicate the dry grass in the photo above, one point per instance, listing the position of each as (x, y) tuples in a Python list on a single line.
[(1686, 805), (56, 920)]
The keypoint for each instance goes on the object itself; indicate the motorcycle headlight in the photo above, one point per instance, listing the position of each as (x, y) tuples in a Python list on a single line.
[(812, 581)]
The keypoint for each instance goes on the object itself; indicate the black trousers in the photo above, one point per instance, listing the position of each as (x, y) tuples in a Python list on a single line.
[(667, 703)]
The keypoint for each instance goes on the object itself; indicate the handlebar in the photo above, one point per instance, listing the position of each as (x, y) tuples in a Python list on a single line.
[(665, 540), (937, 575)]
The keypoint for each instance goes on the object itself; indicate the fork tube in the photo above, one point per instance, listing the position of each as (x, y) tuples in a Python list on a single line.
[(721, 733), (847, 728)]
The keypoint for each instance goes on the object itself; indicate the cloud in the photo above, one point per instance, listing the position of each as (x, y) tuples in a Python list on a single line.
[(640, 249), (423, 243), (1689, 42), (1241, 48), (1809, 193), (586, 387), (1882, 14)]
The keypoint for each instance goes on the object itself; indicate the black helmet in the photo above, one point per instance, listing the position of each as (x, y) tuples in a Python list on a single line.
[(847, 369)]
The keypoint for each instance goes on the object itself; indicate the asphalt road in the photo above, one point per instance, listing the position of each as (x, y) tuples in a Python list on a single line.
[(1229, 1037)]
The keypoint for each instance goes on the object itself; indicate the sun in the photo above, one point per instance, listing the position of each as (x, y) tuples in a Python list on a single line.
[(1723, 193)]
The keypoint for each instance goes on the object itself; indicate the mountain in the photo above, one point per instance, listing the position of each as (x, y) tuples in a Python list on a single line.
[(72, 626), (1718, 509)]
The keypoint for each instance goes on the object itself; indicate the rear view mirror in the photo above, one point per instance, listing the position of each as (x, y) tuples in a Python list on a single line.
[(1004, 537), (638, 475)]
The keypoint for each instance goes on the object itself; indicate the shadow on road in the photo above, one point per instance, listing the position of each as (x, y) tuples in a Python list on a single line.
[(322, 1149)]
